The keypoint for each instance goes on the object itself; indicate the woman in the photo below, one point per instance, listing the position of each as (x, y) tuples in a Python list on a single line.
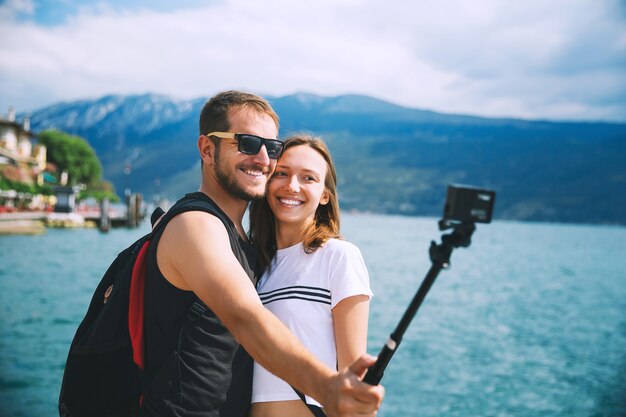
[(315, 283)]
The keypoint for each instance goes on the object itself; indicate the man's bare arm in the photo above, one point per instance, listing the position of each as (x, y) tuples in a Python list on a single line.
[(194, 253)]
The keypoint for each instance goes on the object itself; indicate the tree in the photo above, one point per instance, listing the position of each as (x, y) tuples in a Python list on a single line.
[(104, 189), (74, 155)]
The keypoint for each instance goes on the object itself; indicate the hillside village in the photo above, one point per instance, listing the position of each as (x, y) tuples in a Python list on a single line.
[(24, 169), (35, 192)]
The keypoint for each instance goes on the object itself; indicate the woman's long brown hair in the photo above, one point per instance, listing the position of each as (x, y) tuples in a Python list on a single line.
[(325, 224)]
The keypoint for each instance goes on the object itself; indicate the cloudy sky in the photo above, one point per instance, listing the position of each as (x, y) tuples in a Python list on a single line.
[(537, 59)]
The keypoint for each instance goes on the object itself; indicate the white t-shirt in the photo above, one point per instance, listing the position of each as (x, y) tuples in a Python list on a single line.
[(301, 290)]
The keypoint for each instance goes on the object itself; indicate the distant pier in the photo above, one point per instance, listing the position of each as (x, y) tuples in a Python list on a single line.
[(130, 214)]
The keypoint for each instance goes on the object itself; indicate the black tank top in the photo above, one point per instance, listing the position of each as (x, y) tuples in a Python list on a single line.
[(211, 375)]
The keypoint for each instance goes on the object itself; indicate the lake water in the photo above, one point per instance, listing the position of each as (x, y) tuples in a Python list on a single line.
[(528, 321)]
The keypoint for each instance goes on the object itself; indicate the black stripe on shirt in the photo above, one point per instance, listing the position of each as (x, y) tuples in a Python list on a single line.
[(321, 295), (295, 297), (324, 290)]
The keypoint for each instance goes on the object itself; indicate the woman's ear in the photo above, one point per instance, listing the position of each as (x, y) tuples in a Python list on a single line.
[(207, 149), (325, 198)]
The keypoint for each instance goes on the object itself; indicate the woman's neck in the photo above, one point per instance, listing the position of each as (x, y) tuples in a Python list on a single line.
[(288, 234)]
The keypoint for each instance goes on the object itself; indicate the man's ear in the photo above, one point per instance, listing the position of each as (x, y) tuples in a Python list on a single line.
[(206, 147)]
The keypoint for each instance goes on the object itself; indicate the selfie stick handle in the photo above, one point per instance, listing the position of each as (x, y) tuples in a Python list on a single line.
[(440, 258)]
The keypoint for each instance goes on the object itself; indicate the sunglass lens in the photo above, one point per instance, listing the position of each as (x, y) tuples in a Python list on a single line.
[(274, 148), (249, 144)]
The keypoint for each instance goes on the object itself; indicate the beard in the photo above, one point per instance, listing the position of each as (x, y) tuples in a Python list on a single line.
[(228, 181)]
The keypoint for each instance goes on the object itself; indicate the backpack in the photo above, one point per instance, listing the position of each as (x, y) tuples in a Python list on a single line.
[(103, 374)]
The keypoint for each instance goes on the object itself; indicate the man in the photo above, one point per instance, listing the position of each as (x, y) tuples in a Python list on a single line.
[(203, 370)]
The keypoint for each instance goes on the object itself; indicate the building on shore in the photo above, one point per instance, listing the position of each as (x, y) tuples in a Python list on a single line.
[(24, 175), (22, 159), (23, 167)]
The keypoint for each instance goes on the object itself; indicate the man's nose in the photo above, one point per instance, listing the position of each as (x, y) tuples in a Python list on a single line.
[(262, 158)]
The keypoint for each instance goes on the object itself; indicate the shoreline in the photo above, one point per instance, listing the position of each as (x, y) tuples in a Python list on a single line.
[(37, 222)]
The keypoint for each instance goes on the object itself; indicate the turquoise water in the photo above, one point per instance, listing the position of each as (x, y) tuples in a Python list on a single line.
[(529, 321)]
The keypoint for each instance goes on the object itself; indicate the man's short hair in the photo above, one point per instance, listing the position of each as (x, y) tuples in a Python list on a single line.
[(214, 115)]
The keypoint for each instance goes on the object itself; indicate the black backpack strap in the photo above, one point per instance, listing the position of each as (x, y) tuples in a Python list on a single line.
[(317, 411), (185, 204), (156, 215)]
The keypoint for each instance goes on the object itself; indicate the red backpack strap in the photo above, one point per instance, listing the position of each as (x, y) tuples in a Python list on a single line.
[(135, 305)]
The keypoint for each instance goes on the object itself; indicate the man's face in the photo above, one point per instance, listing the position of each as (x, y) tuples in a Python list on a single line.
[(245, 176)]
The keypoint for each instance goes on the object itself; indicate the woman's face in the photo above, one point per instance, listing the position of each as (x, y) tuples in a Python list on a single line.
[(297, 187)]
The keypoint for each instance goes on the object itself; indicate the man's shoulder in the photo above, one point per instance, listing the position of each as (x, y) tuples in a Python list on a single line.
[(200, 202), (196, 201), (194, 220), (196, 207)]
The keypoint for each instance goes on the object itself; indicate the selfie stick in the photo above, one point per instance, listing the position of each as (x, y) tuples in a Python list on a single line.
[(440, 258)]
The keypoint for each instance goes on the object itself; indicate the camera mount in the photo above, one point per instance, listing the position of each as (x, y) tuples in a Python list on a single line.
[(461, 236)]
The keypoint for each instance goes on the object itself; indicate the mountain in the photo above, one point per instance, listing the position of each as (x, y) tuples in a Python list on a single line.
[(389, 158)]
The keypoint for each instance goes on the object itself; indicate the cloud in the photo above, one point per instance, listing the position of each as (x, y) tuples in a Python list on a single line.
[(532, 59), (10, 9)]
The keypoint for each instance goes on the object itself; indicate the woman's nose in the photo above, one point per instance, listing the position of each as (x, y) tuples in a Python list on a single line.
[(293, 184)]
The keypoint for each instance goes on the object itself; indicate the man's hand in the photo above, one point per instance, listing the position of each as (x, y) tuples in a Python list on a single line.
[(349, 396)]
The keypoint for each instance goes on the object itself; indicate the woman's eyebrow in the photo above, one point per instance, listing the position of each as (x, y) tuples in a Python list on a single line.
[(305, 170)]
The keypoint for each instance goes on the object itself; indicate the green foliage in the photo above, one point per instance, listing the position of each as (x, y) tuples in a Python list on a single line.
[(100, 191), (20, 187), (72, 154)]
